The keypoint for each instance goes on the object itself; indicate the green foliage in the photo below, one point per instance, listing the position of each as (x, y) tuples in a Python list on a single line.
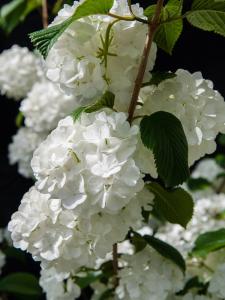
[(108, 294), (89, 278), (158, 77), (19, 119), (138, 241), (163, 133), (21, 284), (196, 184), (221, 139), (44, 39), (167, 251), (176, 205), (220, 160), (208, 15), (192, 283), (209, 242), (16, 11), (171, 28), (107, 100), (13, 253)]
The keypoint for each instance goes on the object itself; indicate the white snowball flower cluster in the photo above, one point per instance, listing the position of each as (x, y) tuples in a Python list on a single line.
[(205, 219), (45, 105), (19, 71), (216, 286), (24, 142), (88, 194), (148, 275), (58, 288), (191, 99), (76, 62), (207, 169)]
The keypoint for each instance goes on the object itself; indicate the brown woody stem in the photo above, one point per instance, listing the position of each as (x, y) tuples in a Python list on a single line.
[(152, 27), (115, 264), (44, 13)]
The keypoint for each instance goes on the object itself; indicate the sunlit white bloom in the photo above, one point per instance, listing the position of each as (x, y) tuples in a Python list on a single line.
[(77, 63), (57, 288), (19, 71), (191, 99), (24, 142), (90, 163), (45, 105), (148, 273)]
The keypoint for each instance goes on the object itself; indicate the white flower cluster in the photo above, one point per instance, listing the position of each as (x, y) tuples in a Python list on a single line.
[(76, 60), (20, 69), (24, 142), (45, 105), (89, 191), (192, 296), (216, 286), (205, 219), (148, 275), (193, 101)]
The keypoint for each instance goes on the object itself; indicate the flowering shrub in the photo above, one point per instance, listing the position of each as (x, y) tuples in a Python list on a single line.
[(109, 141)]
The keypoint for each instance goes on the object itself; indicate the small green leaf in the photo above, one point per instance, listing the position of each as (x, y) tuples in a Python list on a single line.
[(107, 100), (158, 77), (209, 242), (220, 160), (44, 39), (19, 119), (87, 280), (16, 11), (169, 32), (20, 283), (138, 241), (176, 205), (208, 15), (163, 133), (196, 184), (166, 251)]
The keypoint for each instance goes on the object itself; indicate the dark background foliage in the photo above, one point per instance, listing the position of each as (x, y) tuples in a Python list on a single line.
[(196, 50)]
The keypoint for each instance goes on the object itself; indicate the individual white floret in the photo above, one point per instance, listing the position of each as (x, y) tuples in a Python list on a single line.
[(19, 71), (76, 62), (90, 162), (24, 142), (45, 105), (57, 288), (191, 99), (148, 273)]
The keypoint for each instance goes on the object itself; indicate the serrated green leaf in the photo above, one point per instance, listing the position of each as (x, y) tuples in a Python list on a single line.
[(158, 77), (163, 133), (20, 283), (208, 15), (176, 205), (44, 39), (209, 242), (107, 100), (91, 277), (168, 33), (15, 12), (166, 251), (196, 184)]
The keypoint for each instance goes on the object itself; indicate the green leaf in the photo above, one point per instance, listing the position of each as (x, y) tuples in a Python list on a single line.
[(220, 160), (192, 283), (208, 15), (176, 205), (108, 294), (19, 119), (169, 32), (166, 251), (138, 241), (87, 280), (163, 133), (158, 77), (149, 12), (107, 100), (209, 242), (16, 11), (221, 139), (44, 39), (196, 184), (20, 283)]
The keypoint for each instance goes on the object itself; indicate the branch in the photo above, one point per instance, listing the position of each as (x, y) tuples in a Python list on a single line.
[(115, 264), (152, 27), (44, 13)]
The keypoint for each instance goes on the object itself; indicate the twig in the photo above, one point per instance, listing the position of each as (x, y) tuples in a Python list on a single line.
[(115, 265), (44, 13), (152, 27)]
